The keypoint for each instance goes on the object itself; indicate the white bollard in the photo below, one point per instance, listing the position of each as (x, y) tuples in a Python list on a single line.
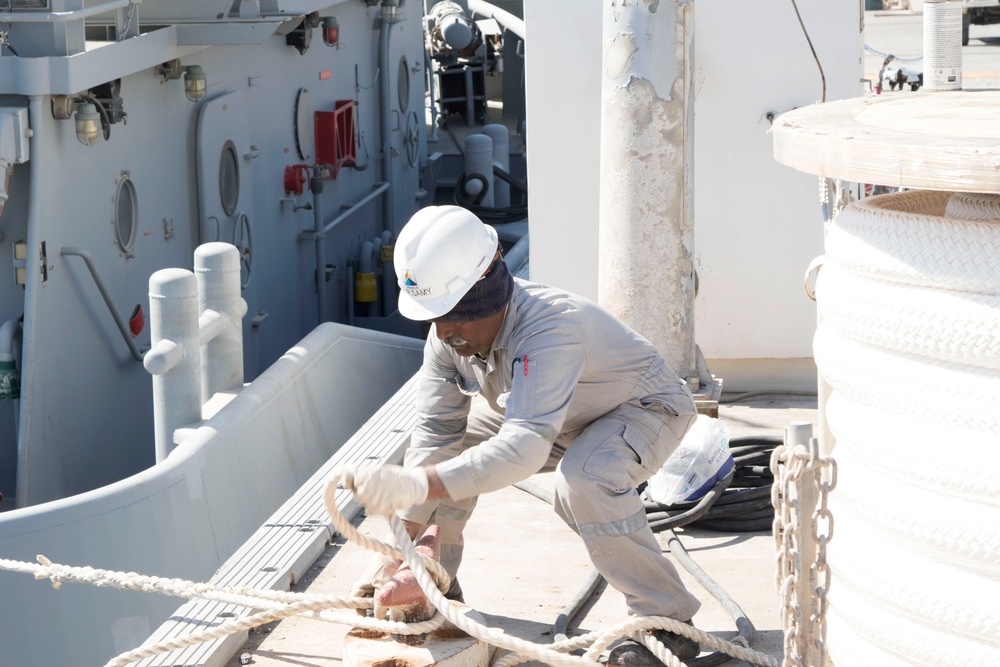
[(217, 269), (479, 160), (174, 359), (501, 157)]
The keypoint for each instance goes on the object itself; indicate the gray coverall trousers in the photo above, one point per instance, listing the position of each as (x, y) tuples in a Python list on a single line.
[(595, 494)]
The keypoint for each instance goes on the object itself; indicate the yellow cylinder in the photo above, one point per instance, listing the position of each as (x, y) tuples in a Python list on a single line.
[(365, 290)]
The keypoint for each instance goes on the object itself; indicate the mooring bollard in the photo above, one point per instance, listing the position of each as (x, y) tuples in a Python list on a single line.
[(195, 322), (217, 269), (175, 357)]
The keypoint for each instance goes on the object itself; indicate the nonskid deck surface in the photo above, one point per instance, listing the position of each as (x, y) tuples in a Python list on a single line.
[(523, 565)]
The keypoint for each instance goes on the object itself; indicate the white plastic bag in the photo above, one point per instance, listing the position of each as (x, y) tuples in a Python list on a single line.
[(701, 460)]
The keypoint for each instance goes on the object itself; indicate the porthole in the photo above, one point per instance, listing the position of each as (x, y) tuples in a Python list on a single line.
[(403, 84), (229, 178), (126, 215)]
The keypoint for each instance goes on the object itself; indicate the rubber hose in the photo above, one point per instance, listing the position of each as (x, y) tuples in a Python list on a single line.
[(569, 612), (744, 526), (691, 515), (743, 624)]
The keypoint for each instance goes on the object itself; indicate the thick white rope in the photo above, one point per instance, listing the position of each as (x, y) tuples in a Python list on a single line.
[(907, 318), (533, 651), (277, 605), (910, 306), (904, 238)]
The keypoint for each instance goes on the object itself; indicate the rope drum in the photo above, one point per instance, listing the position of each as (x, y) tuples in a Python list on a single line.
[(909, 304)]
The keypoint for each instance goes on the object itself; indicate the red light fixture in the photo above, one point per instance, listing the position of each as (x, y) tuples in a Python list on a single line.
[(137, 321), (331, 31)]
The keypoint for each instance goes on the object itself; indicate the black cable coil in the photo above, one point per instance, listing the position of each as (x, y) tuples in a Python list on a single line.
[(740, 502), (490, 215)]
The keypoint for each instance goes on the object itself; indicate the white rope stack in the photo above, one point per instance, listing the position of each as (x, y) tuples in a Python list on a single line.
[(909, 299), (276, 605)]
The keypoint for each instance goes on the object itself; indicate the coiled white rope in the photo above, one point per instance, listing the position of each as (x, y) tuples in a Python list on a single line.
[(431, 577), (909, 299), (904, 238)]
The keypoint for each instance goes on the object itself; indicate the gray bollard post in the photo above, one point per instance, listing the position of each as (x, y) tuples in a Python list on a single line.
[(175, 357), (217, 270)]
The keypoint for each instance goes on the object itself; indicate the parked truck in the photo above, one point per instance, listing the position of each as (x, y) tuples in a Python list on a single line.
[(979, 12)]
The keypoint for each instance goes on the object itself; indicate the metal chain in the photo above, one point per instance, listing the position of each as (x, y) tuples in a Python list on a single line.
[(128, 20), (794, 469)]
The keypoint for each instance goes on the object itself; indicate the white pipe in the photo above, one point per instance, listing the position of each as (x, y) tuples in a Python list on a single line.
[(365, 260), (376, 253), (217, 268), (479, 161), (504, 18), (517, 256), (7, 333), (500, 137), (175, 357)]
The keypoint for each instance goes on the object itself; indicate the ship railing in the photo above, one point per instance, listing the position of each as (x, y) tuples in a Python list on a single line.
[(196, 332), (102, 287), (62, 17)]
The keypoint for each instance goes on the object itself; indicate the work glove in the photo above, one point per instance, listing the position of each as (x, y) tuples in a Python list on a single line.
[(385, 489)]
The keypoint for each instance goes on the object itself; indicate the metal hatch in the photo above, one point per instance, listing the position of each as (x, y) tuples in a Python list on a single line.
[(225, 190)]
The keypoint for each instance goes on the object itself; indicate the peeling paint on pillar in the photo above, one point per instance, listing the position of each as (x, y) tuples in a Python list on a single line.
[(646, 211)]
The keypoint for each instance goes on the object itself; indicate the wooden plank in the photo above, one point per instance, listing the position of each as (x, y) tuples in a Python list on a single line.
[(947, 140), (446, 647)]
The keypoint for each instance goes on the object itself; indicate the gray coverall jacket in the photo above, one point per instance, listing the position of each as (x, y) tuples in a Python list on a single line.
[(565, 386)]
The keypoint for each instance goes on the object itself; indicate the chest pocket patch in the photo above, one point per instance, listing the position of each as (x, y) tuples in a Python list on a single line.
[(524, 372)]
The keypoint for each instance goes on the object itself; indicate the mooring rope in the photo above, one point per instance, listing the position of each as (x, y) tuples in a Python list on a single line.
[(276, 605)]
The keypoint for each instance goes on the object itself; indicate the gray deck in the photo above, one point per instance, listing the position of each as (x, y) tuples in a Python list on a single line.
[(523, 565)]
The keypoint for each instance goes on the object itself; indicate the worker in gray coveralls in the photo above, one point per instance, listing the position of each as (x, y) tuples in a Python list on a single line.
[(520, 378)]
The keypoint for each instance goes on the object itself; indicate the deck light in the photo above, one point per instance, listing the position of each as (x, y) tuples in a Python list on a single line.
[(195, 86), (88, 123), (331, 30), (389, 10)]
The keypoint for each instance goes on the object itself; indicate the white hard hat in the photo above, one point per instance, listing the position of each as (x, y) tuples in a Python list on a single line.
[(440, 254)]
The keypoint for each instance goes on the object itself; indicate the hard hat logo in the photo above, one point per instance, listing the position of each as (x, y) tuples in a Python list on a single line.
[(410, 285), (415, 292)]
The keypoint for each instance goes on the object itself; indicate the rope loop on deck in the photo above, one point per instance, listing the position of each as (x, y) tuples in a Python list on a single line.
[(276, 605)]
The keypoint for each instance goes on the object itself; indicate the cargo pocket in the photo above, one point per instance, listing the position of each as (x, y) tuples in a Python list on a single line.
[(638, 442), (617, 459)]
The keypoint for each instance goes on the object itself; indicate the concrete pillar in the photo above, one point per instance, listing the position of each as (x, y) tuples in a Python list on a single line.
[(645, 268)]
